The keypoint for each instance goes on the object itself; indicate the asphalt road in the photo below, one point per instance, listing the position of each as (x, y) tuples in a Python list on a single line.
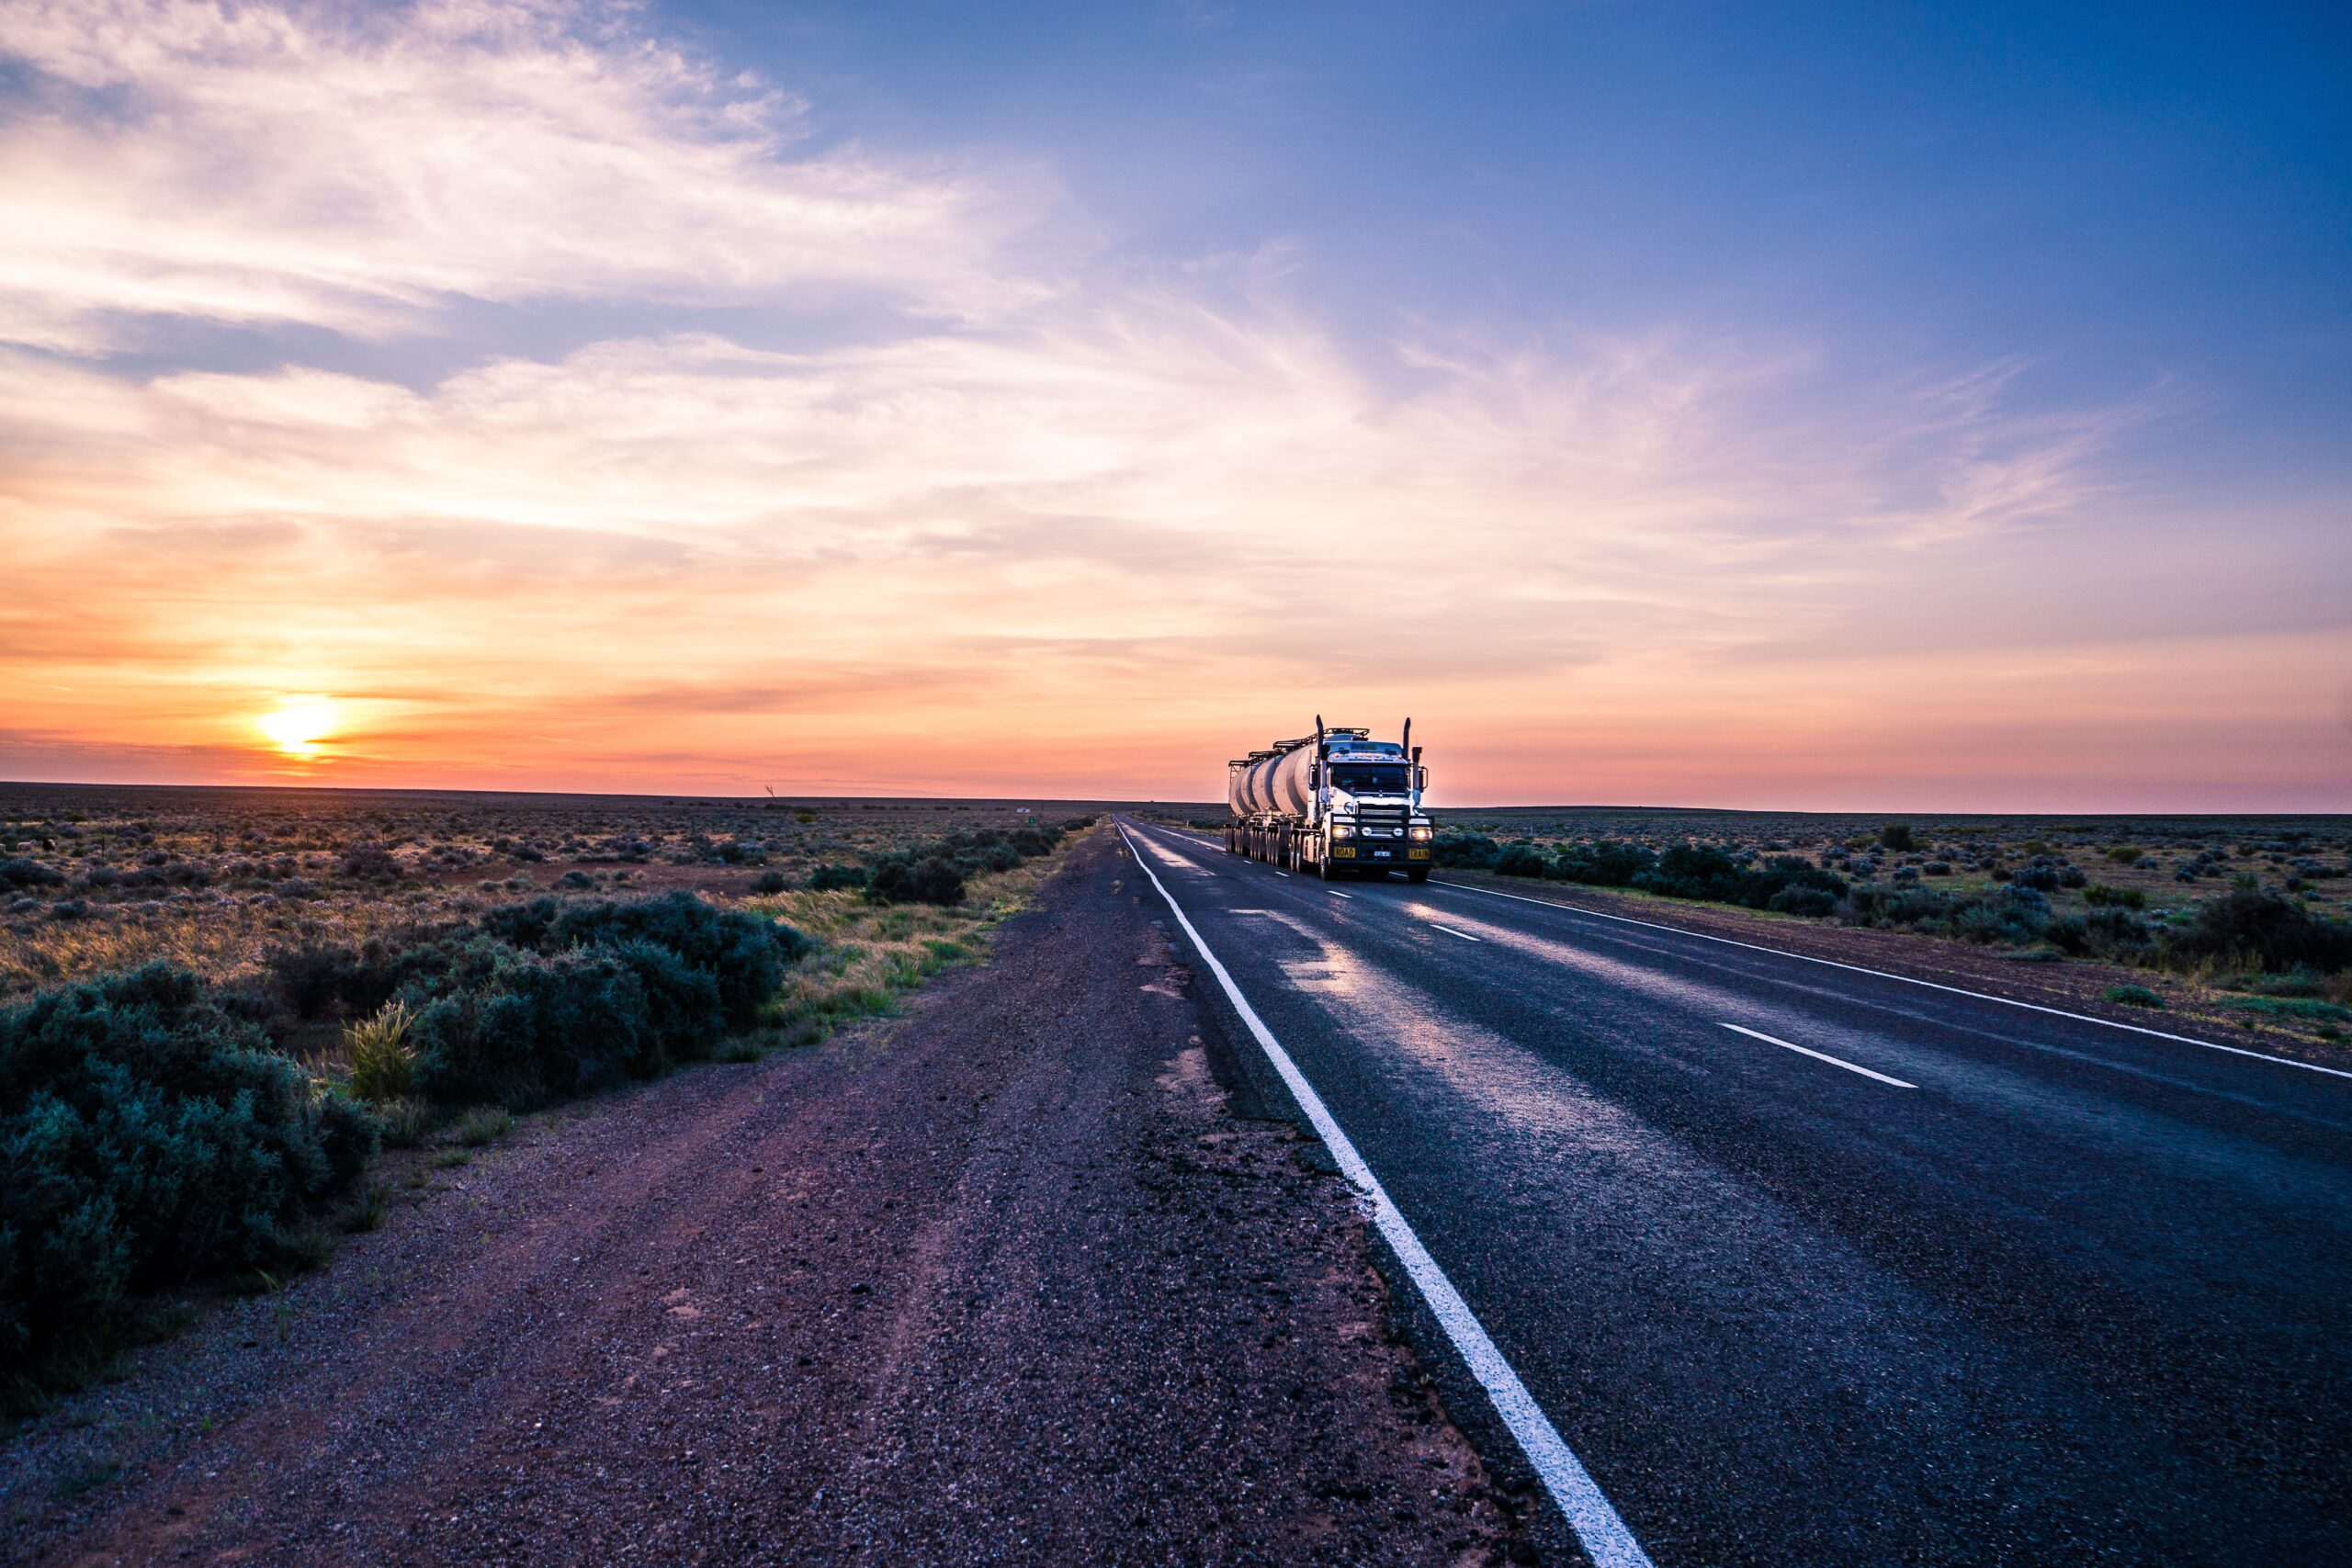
[(1968, 1284)]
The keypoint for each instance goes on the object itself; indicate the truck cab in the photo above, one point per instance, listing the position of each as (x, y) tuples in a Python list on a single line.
[(1369, 808)]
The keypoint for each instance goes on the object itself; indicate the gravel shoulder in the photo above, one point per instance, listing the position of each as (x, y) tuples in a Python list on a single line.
[(1011, 1280)]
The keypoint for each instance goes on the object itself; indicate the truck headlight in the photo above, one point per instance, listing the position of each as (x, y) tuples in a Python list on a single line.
[(1420, 833), (1343, 829)]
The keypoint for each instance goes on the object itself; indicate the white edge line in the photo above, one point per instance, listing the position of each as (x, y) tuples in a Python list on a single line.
[(1906, 979), (1464, 935), (1589, 1513), (1817, 1056)]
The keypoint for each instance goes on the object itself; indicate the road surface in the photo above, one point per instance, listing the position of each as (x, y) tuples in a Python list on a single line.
[(1808, 1266)]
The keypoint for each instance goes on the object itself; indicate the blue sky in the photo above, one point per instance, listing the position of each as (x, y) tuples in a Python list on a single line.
[(2125, 196)]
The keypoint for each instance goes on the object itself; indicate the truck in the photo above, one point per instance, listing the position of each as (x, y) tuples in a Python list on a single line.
[(1337, 803)]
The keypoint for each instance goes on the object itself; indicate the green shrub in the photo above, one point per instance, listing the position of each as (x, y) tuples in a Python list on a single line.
[(2125, 854), (1603, 864), (551, 999), (146, 1137), (383, 1066), (2111, 934), (836, 878), (770, 882), (1474, 851), (22, 873), (1796, 900), (535, 1027), (2265, 929), (1519, 860), (2301, 1010), (902, 880), (2135, 996), (481, 1125), (744, 954), (2098, 895), (1898, 836)]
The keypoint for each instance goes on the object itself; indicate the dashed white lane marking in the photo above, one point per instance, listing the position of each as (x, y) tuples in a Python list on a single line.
[(1588, 1511), (1278, 872), (1451, 932), (1337, 894), (1818, 1056), (1906, 979)]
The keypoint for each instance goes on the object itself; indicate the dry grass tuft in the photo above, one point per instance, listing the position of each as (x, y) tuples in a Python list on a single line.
[(383, 1065)]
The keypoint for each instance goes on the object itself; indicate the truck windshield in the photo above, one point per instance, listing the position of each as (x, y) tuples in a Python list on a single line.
[(1369, 778)]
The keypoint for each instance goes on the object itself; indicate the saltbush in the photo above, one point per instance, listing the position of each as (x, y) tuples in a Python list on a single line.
[(147, 1137), (22, 873), (900, 879), (1474, 851), (2263, 929), (936, 873), (833, 878), (1603, 864), (1519, 860)]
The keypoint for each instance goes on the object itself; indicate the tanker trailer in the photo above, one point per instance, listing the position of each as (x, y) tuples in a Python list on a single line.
[(1335, 802)]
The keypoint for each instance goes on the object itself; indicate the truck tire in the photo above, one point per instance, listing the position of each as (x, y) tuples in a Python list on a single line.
[(1417, 873)]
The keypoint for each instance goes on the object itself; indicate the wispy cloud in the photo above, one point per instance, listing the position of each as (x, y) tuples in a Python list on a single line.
[(357, 168)]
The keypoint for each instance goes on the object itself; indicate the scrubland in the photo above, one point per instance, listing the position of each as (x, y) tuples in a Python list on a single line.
[(217, 1008)]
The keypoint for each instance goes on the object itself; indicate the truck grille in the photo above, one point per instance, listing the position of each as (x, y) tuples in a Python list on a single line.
[(1381, 821)]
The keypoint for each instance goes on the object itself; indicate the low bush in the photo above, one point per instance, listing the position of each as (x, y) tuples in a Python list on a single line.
[(2300, 1010), (2098, 895), (1898, 836), (2135, 996), (901, 879), (2114, 934), (836, 878), (1473, 851), (1603, 864), (1519, 860), (369, 863), (770, 882), (936, 873), (147, 1137), (2264, 929), (548, 999), (2015, 916), (30, 873)]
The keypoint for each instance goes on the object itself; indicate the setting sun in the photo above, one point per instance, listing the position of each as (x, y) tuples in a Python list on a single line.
[(298, 724)]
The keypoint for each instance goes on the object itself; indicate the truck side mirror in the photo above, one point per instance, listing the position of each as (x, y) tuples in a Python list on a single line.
[(1421, 778), (1315, 776)]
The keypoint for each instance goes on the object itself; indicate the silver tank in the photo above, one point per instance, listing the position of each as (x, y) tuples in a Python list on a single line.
[(1271, 785)]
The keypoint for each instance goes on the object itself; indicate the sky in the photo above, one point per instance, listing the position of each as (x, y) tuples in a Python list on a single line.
[(1791, 408)]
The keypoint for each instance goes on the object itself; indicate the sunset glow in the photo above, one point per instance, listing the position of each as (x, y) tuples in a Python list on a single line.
[(298, 724), (713, 437)]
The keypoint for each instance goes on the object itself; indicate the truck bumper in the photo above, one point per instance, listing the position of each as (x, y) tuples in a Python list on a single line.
[(1381, 854)]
